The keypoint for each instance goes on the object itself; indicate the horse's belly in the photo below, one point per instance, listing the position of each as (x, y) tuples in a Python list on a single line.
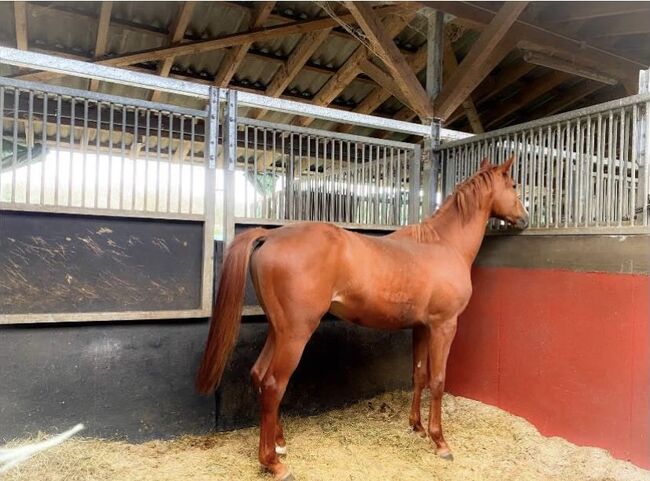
[(392, 316)]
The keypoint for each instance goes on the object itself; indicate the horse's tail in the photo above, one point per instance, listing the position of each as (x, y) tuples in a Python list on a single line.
[(226, 315)]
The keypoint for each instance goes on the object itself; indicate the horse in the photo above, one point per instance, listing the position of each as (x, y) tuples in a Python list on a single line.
[(416, 277)]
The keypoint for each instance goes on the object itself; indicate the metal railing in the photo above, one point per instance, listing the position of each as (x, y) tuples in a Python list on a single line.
[(76, 150), (284, 172), (581, 171)]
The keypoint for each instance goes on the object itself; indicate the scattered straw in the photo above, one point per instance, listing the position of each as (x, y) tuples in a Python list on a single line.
[(367, 441)]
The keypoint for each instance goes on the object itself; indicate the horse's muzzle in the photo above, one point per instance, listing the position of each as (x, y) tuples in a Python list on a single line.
[(522, 223)]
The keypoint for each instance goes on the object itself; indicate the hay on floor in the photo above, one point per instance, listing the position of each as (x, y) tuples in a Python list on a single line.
[(369, 440)]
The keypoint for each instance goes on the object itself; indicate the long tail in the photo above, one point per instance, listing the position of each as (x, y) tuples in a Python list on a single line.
[(226, 315)]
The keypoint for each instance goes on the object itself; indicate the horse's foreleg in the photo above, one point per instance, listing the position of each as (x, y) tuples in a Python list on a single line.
[(420, 374), (440, 338)]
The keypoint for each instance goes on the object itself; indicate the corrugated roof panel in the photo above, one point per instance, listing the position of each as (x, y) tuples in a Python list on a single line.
[(213, 19), (334, 51), (308, 81)]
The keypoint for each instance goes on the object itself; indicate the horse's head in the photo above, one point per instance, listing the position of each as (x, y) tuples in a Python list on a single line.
[(506, 204)]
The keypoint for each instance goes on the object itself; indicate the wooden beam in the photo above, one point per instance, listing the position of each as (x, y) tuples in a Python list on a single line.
[(20, 19), (479, 61), (176, 34), (235, 55), (351, 68), (573, 95), (526, 95), (383, 46), (230, 40), (383, 79), (451, 65), (613, 64), (102, 35)]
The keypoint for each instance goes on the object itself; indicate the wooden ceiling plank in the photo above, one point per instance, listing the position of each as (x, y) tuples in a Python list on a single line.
[(480, 60), (526, 95), (101, 42), (176, 34), (383, 46), (236, 55), (20, 19)]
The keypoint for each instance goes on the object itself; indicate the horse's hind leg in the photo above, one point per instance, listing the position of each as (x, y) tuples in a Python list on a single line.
[(420, 375), (290, 340)]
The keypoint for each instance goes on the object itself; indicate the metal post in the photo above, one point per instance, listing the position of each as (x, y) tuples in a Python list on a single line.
[(643, 150), (212, 133), (414, 185), (431, 157), (229, 159)]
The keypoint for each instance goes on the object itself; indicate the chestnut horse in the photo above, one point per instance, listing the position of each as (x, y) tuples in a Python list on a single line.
[(417, 277)]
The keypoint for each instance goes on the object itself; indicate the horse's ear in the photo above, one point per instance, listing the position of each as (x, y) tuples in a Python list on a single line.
[(485, 163), (505, 167)]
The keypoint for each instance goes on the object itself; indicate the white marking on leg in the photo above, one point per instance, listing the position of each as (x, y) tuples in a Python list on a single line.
[(280, 449), (419, 364)]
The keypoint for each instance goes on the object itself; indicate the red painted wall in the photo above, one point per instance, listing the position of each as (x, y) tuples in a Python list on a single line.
[(569, 351)]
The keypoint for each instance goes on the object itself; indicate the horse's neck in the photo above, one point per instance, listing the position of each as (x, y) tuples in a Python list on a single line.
[(466, 237)]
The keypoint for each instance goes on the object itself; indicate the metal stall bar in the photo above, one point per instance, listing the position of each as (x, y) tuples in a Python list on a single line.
[(579, 167)]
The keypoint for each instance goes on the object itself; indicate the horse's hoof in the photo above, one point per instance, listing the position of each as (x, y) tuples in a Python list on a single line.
[(286, 477), (446, 455), (281, 450)]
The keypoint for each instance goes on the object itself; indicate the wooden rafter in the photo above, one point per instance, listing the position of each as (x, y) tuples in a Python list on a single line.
[(176, 34), (20, 19), (383, 79), (351, 68), (225, 41), (382, 44), (235, 55), (481, 59), (526, 95), (451, 64), (101, 42)]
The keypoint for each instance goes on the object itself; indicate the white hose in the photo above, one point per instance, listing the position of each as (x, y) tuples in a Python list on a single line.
[(10, 457)]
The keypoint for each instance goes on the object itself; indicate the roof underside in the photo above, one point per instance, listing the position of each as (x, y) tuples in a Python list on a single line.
[(71, 28)]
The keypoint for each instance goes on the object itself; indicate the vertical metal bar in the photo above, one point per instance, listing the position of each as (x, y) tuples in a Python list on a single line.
[(135, 154), (608, 192), (58, 150), (170, 160), (181, 161), (71, 139), (644, 178), (29, 140), (111, 124), (147, 136), (84, 153), (120, 178), (98, 131), (230, 158), (211, 133), (158, 158), (635, 154), (578, 203), (192, 162), (414, 185)]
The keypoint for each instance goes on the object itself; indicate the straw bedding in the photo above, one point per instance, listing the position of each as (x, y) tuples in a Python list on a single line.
[(369, 440)]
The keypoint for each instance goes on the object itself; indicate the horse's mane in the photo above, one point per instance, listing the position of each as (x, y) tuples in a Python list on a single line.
[(469, 195), (467, 198)]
